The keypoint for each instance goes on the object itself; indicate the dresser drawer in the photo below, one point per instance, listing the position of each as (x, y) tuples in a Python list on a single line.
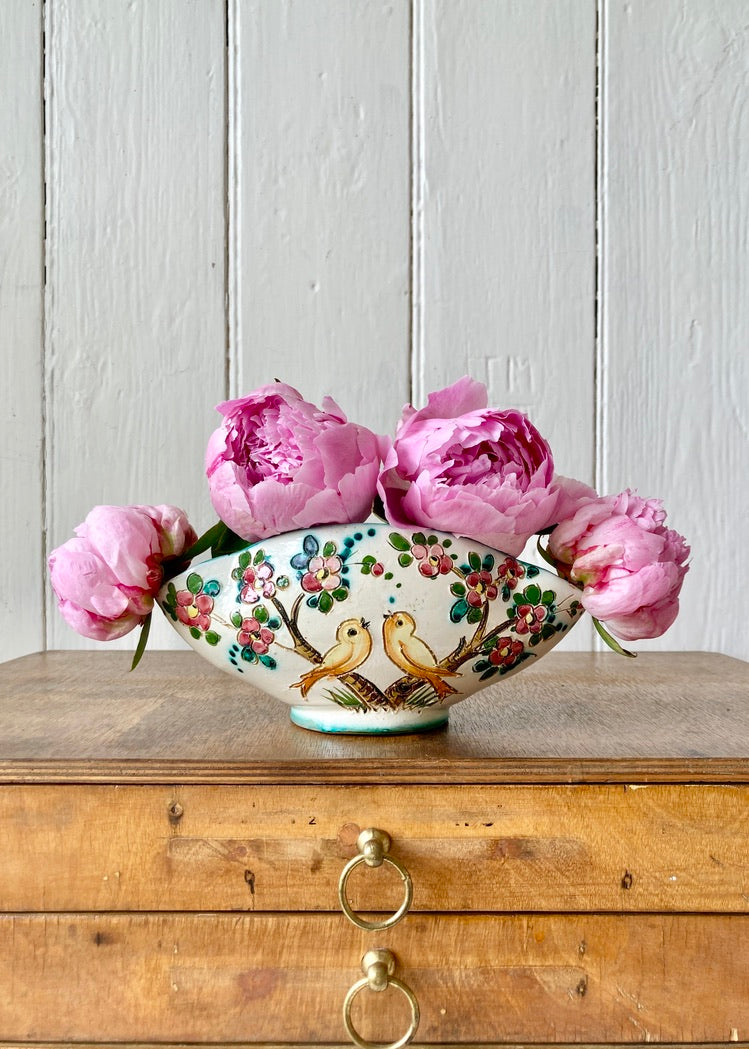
[(467, 848), (261, 978)]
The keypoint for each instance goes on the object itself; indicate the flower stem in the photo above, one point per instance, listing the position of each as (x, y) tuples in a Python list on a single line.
[(611, 641), (142, 641)]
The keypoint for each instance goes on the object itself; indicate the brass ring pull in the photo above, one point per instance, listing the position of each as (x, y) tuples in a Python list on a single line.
[(379, 966), (373, 847)]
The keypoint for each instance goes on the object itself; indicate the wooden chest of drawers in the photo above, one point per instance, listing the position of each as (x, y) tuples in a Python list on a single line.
[(578, 842)]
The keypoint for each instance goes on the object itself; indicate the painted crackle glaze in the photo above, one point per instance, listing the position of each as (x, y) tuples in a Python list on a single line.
[(362, 628)]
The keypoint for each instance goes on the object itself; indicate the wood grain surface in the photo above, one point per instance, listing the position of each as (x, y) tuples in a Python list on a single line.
[(206, 977), (542, 848), (576, 717)]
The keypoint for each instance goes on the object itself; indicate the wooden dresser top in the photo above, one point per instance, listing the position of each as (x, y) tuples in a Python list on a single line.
[(80, 717)]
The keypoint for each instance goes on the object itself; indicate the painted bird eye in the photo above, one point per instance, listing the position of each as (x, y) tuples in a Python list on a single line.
[(352, 632), (399, 622)]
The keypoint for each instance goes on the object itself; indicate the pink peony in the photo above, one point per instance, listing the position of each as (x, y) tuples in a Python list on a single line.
[(630, 565), (461, 467), (106, 578), (278, 463)]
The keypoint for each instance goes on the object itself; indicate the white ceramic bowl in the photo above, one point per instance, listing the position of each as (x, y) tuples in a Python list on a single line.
[(368, 629)]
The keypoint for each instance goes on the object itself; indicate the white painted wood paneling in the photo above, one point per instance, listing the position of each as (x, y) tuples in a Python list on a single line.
[(323, 273), (135, 319), (675, 282), (507, 212), (21, 276)]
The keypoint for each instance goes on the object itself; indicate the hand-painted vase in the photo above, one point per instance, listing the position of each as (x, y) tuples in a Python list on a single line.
[(364, 629)]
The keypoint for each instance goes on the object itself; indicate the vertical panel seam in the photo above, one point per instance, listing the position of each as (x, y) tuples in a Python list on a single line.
[(46, 292), (227, 214), (233, 185), (599, 368), (417, 189)]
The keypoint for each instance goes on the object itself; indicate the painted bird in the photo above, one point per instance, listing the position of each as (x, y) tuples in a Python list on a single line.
[(412, 654), (352, 648)]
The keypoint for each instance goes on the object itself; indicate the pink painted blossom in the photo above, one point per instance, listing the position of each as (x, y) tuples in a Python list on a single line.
[(257, 636), (529, 618), (481, 588), (506, 652), (278, 463), (106, 578), (630, 565), (257, 582), (323, 573), (457, 465), (194, 609), (432, 559)]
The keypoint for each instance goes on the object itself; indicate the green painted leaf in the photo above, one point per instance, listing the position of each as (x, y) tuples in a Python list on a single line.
[(369, 560), (447, 543), (340, 594), (194, 583), (458, 610), (432, 539), (482, 664), (212, 588), (388, 575), (488, 563), (245, 559), (474, 561), (489, 673), (404, 560), (399, 541), (259, 556), (420, 538), (274, 623), (458, 590), (312, 601), (212, 637), (366, 570), (329, 549), (548, 597), (269, 662), (532, 594), (531, 571), (260, 613), (518, 599), (473, 616), (171, 590), (195, 633), (325, 603), (236, 618)]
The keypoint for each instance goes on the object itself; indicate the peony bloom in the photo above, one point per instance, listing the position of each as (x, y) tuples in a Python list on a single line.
[(630, 565), (278, 463), (107, 577), (459, 466)]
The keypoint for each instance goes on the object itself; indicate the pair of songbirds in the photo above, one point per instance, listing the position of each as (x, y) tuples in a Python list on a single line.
[(353, 646)]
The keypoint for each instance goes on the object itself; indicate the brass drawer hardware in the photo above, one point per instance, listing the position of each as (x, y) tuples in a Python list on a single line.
[(379, 966), (374, 846)]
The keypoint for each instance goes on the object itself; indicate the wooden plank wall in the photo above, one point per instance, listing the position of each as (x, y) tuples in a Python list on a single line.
[(370, 199)]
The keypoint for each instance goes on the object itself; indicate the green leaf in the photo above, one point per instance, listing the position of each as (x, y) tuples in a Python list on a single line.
[(195, 633), (244, 559), (432, 539), (488, 563), (259, 556), (458, 610), (489, 673), (482, 664), (228, 543), (388, 575), (474, 616), (404, 560), (531, 571), (260, 614), (548, 597), (546, 556), (369, 560), (447, 543), (212, 638), (274, 623), (518, 599), (474, 561), (457, 590), (171, 590), (340, 594), (326, 602), (236, 618), (419, 538), (269, 662), (205, 542), (398, 541), (366, 570), (194, 583), (610, 641), (532, 594), (142, 641), (329, 549)]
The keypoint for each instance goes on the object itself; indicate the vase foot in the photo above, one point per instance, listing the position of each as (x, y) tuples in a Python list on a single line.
[(369, 722)]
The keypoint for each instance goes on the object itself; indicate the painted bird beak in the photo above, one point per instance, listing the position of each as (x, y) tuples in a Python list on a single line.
[(365, 624)]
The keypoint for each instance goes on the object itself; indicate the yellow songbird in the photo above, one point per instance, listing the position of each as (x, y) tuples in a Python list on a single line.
[(352, 647), (412, 654)]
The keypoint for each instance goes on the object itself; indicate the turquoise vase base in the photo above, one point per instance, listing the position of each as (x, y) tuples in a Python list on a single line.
[(367, 723)]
